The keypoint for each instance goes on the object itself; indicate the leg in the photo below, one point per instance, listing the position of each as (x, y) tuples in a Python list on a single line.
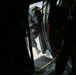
[(61, 63), (42, 42), (73, 58), (63, 56), (34, 44)]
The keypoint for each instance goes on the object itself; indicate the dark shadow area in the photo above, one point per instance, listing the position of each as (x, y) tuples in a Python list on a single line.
[(14, 55)]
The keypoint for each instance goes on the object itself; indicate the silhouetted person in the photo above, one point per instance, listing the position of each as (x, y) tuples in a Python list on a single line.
[(35, 25), (64, 12)]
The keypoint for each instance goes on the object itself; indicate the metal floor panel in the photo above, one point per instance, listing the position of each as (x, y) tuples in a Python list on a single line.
[(42, 61), (50, 69)]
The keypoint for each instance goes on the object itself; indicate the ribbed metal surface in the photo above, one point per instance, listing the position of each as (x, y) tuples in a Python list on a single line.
[(42, 61)]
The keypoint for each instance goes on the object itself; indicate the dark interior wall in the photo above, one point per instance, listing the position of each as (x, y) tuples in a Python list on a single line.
[(14, 54)]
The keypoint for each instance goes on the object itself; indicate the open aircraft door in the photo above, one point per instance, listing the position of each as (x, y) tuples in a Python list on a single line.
[(42, 63)]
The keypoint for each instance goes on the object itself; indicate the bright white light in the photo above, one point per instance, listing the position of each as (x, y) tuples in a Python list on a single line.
[(39, 4)]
